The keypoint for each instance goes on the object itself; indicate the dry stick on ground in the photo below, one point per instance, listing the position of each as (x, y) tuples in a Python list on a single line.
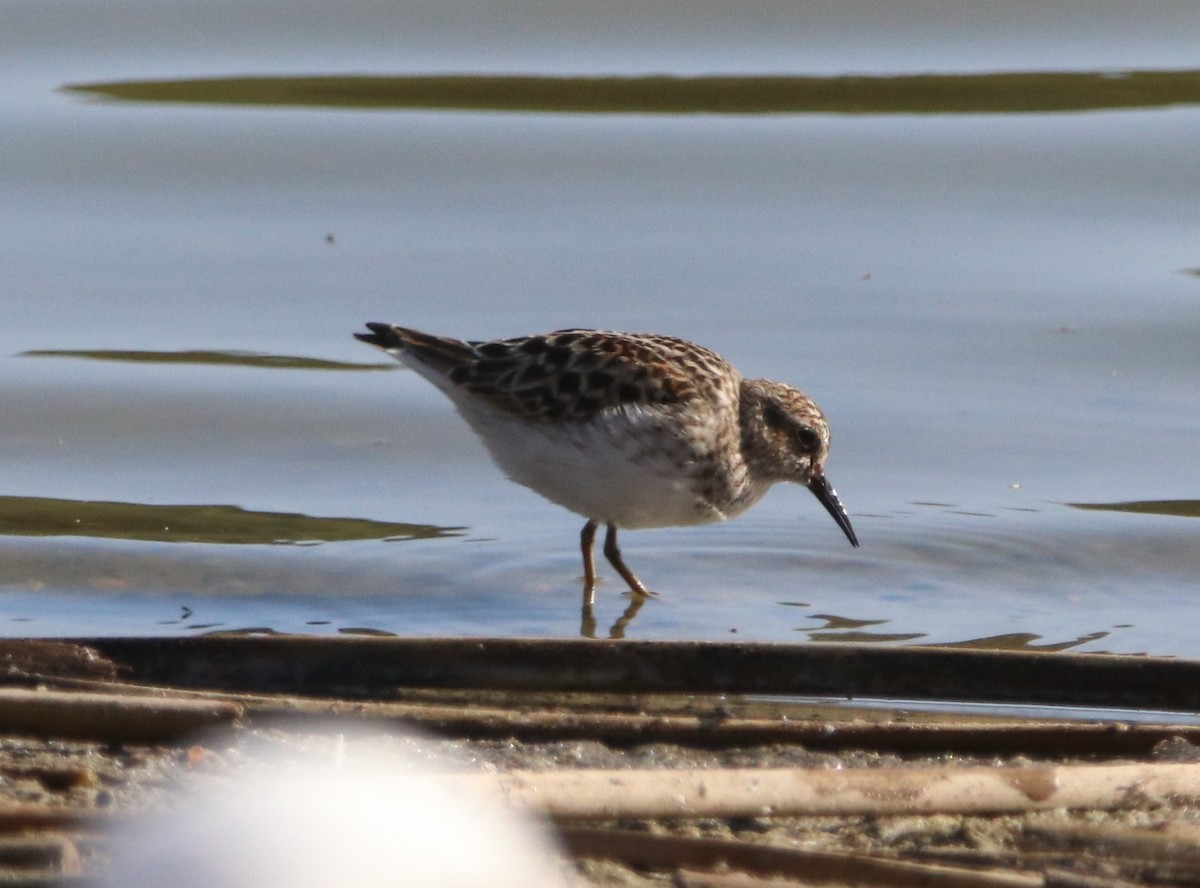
[(57, 853), (700, 730), (671, 852), (612, 795), (27, 818), (368, 668), (109, 717), (1133, 843), (995, 858), (1169, 855), (1062, 878), (681, 794)]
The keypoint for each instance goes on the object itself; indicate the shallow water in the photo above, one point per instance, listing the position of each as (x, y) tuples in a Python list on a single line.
[(996, 304)]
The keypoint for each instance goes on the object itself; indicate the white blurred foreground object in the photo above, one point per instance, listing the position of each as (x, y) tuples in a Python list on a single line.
[(361, 826)]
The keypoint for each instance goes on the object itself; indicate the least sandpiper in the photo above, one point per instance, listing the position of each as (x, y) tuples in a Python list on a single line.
[(626, 429)]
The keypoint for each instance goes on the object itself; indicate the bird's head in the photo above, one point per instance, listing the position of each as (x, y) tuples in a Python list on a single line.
[(785, 437)]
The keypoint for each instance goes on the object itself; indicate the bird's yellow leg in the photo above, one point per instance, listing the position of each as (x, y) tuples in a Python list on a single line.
[(586, 540), (613, 554)]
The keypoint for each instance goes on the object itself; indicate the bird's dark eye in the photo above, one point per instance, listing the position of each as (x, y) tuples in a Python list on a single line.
[(806, 437)]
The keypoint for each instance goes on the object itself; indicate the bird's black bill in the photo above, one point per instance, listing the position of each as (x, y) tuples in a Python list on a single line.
[(829, 499)]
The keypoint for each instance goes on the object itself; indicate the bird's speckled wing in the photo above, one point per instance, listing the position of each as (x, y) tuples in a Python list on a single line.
[(568, 375)]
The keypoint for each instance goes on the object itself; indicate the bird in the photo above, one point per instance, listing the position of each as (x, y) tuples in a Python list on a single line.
[(627, 430)]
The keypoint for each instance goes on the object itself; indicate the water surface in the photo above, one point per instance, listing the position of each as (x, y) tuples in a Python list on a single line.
[(970, 233)]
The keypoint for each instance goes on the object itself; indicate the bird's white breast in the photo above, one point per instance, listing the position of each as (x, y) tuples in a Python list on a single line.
[(620, 468)]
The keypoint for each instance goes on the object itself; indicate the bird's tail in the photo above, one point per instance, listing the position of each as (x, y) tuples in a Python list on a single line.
[(385, 336), (440, 352)]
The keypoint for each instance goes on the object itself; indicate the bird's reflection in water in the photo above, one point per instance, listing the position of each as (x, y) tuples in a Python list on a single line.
[(587, 623)]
